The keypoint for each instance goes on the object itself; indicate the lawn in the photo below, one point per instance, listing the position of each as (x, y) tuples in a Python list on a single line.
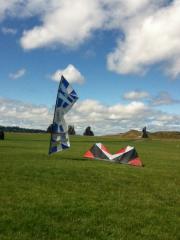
[(67, 197)]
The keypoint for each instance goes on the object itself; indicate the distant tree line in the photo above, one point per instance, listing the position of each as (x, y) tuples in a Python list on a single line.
[(19, 129), (71, 130)]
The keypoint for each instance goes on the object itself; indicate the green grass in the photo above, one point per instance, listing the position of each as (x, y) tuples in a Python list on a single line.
[(67, 197)]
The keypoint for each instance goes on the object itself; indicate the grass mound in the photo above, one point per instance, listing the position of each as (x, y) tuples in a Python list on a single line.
[(166, 134), (131, 134)]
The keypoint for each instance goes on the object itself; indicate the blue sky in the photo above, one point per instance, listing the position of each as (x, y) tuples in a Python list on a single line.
[(122, 57)]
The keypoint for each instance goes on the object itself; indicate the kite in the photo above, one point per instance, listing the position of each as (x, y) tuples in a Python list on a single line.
[(127, 155), (66, 97)]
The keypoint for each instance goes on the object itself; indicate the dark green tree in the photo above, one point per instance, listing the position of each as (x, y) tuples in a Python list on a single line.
[(88, 132), (1, 135), (49, 129), (71, 130)]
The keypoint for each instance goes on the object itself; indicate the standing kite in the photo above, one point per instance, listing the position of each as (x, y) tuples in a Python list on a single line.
[(66, 97)]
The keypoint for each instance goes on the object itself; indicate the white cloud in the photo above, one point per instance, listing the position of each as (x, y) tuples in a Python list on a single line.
[(65, 24), (135, 95), (25, 8), (70, 72), (17, 113), (173, 67), (163, 98), (18, 74), (150, 29), (127, 111), (120, 117), (6, 30), (6, 6), (151, 37), (103, 119), (108, 119)]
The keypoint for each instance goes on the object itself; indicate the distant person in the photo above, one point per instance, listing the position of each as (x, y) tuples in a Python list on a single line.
[(144, 133), (1, 135)]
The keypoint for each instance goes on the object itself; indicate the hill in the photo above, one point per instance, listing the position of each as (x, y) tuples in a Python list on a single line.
[(131, 134), (135, 134), (166, 134)]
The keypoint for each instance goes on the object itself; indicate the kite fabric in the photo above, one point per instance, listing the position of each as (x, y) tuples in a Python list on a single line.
[(66, 97), (127, 155)]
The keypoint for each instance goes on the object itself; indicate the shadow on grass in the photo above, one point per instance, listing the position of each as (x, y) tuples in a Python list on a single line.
[(64, 158)]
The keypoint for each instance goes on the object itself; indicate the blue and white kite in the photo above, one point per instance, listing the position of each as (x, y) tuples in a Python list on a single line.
[(66, 97)]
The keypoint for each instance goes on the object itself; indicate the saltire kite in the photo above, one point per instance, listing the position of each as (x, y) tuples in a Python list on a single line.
[(66, 97), (127, 155)]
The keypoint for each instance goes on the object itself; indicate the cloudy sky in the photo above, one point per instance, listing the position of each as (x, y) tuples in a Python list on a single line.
[(121, 56)]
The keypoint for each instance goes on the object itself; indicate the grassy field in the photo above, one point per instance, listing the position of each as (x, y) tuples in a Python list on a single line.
[(67, 197)]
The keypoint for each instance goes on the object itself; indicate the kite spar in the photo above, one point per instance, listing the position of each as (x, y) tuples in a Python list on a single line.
[(66, 97)]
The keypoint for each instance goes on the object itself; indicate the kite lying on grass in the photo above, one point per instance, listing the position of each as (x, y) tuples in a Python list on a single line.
[(127, 155), (66, 97)]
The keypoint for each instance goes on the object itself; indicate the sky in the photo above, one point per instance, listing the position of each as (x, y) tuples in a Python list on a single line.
[(121, 56)]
